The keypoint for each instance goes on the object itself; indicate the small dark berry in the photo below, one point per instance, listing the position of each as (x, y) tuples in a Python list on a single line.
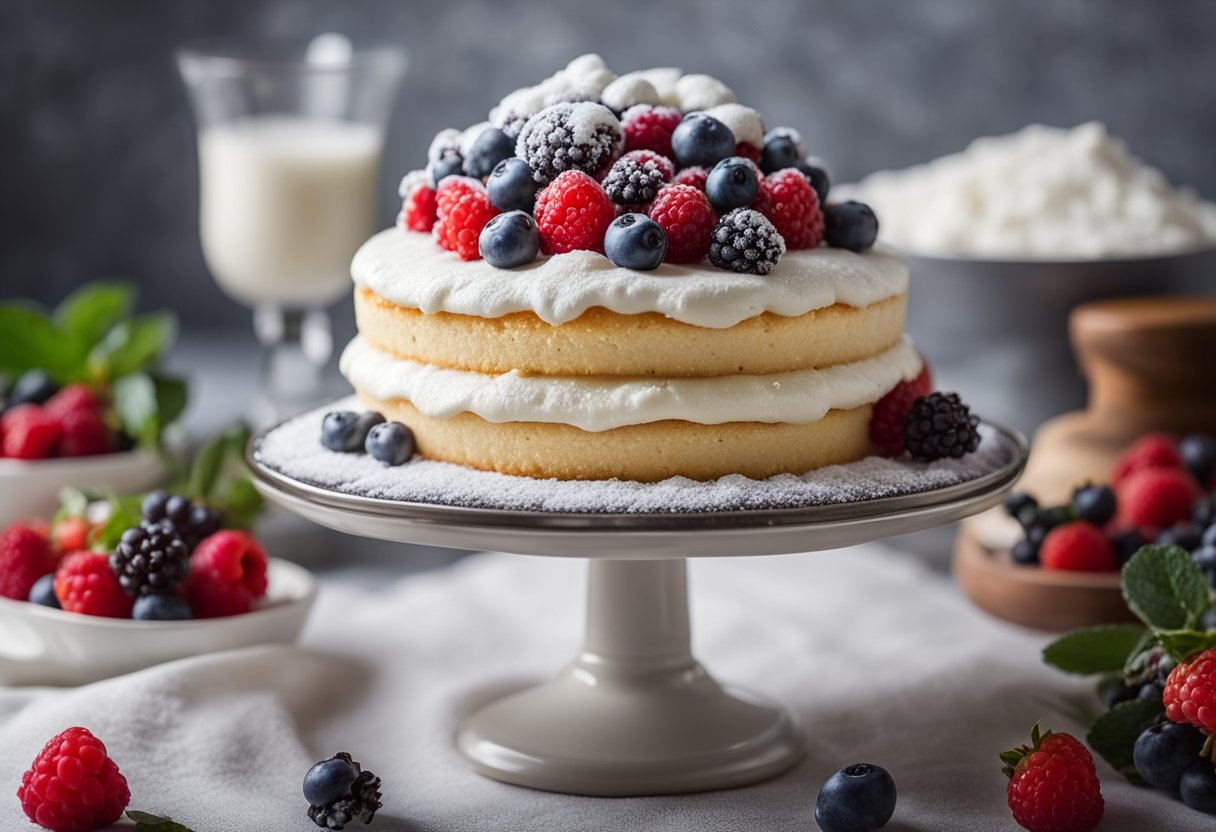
[(177, 509), (151, 558), (634, 182), (1094, 504), (329, 780), (1203, 511), (512, 187), (1205, 559), (161, 608), (701, 140), (391, 443), (635, 241), (731, 184), (1022, 507), (1198, 786), (1025, 553), (33, 387), (338, 431), (850, 225), (745, 241), (1035, 533), (1163, 753), (43, 592), (1053, 516), (1198, 452), (1126, 542), (1119, 691), (1182, 534), (153, 506), (940, 426), (359, 801), (859, 798), (509, 240), (781, 150), (449, 165), (817, 175), (489, 148)]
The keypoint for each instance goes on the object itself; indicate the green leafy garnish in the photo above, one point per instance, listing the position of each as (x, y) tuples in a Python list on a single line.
[(1113, 735), (1165, 588), (1103, 649), (219, 477), (146, 822)]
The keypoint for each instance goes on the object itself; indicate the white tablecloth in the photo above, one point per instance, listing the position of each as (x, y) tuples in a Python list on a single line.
[(880, 658)]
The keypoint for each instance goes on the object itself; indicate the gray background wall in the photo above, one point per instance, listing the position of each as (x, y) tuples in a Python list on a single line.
[(97, 164)]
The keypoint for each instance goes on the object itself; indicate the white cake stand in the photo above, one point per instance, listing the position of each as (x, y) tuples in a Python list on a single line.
[(635, 713)]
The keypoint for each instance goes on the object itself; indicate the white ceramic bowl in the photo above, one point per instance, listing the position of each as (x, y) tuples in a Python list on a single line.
[(44, 646), (31, 488)]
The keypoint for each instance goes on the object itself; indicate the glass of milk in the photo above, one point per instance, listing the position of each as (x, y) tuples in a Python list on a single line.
[(289, 141)]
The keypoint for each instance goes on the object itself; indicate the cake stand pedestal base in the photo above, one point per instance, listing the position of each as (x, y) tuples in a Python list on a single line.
[(635, 713)]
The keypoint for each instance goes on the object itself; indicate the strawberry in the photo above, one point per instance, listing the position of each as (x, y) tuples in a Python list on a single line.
[(1053, 786), (1156, 497), (1077, 547), (1153, 450)]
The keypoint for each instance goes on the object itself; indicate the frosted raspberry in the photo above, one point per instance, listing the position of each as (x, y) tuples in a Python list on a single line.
[(463, 210), (227, 575), (890, 412), (582, 136), (73, 785), (85, 584), (28, 432), (572, 214), (686, 215), (650, 128), (790, 203), (695, 176), (750, 152), (25, 556)]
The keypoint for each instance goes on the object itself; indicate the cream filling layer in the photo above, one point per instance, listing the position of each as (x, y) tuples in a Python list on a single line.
[(604, 402), (410, 269)]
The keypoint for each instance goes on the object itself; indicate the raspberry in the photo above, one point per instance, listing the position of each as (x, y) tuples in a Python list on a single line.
[(689, 220), (939, 425), (649, 127), (636, 177), (463, 210), (748, 151), (1153, 450), (85, 584), (150, 559), (1157, 497), (25, 556), (227, 575), (1190, 693), (694, 176), (890, 412), (790, 203), (28, 432), (744, 241), (582, 136), (73, 785), (1077, 547), (83, 433), (572, 214), (71, 398), (420, 211), (1053, 786)]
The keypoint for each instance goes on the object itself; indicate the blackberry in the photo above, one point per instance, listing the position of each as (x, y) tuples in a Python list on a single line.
[(940, 425), (193, 522), (582, 136), (150, 559), (634, 182), (745, 241), (359, 802)]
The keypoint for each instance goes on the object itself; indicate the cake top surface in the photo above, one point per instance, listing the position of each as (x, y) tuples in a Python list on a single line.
[(409, 270)]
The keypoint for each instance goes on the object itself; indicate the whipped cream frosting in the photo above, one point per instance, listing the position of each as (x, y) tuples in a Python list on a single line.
[(596, 404), (409, 269)]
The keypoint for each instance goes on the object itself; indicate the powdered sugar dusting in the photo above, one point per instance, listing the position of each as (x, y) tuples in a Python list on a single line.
[(412, 180), (587, 117), (744, 122), (445, 140), (294, 449), (629, 90)]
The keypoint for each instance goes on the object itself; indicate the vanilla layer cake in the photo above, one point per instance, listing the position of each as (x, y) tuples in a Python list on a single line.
[(573, 368)]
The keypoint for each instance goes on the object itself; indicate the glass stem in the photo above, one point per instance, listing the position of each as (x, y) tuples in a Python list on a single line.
[(297, 345)]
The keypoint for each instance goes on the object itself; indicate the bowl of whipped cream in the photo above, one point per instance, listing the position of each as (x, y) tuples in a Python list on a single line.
[(1004, 238)]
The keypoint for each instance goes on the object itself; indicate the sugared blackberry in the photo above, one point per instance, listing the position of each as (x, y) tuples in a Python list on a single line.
[(583, 136), (193, 522), (633, 181), (150, 559), (745, 241), (359, 802), (940, 425)]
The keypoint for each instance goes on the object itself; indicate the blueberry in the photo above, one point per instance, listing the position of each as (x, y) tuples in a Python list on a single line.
[(635, 241), (1035, 533), (337, 430), (1182, 534), (449, 165), (161, 608), (859, 798), (391, 443), (509, 240), (153, 506), (1119, 691), (1025, 552), (1151, 691), (512, 187), (817, 175), (781, 150), (43, 592), (731, 184), (1203, 511), (1053, 516), (328, 780), (1209, 536), (1198, 786), (1205, 559), (490, 148), (851, 225), (1126, 543), (1094, 503), (1208, 620), (1164, 752), (177, 509), (702, 140), (33, 387), (1022, 507), (1199, 454)]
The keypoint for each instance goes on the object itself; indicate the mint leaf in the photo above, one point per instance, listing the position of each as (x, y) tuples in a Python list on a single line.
[(28, 340), (1137, 662), (92, 310), (124, 514), (1113, 735), (1182, 644), (134, 400), (1094, 650), (170, 399), (241, 504), (134, 344), (1165, 588), (205, 469), (146, 822)]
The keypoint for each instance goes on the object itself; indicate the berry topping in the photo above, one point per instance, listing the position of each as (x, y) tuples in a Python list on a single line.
[(489, 148), (732, 184), (701, 140), (745, 241), (1153, 450), (629, 91), (509, 240), (1164, 752), (32, 387), (858, 798), (85, 584), (635, 241), (463, 210), (782, 149), (1190, 693), (227, 575), (1198, 452), (359, 801), (391, 443), (1094, 504), (82, 433), (650, 128), (695, 176), (686, 215), (420, 210), (891, 412), (345, 431), (150, 559), (512, 187), (817, 174), (1053, 786), (1157, 497), (582, 136), (192, 522), (636, 177), (1021, 507), (572, 214), (851, 225), (939, 426), (1125, 542), (790, 203), (744, 124), (445, 143), (28, 432), (441, 169), (1077, 547), (161, 608), (71, 398), (73, 785), (701, 92), (25, 556), (1198, 786)]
